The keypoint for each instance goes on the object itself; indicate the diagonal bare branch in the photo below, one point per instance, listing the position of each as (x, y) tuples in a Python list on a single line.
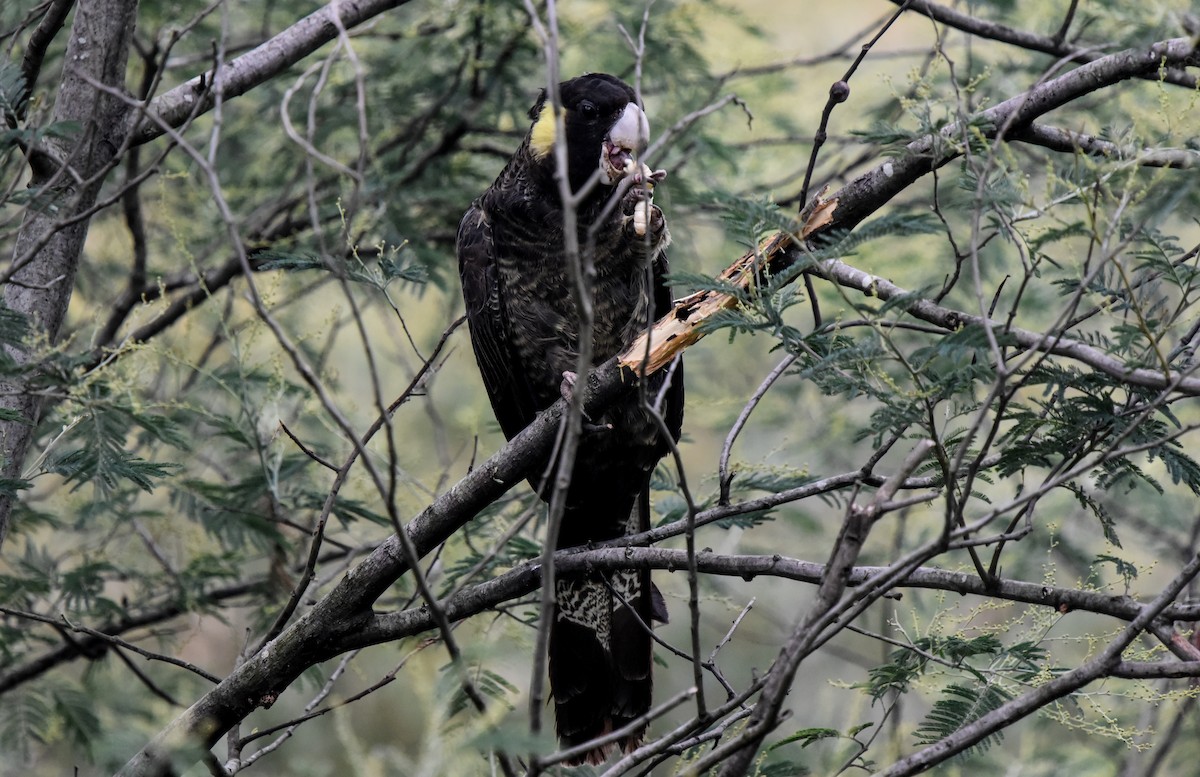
[(256, 66)]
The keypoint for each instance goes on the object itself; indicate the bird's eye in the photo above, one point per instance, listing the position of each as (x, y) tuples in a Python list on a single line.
[(588, 109)]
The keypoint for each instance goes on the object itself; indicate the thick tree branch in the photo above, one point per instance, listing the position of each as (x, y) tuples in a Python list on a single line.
[(86, 646), (1155, 670), (525, 579), (35, 51), (256, 66), (1046, 44), (109, 639), (95, 645), (1068, 141), (1058, 345), (342, 621), (346, 610)]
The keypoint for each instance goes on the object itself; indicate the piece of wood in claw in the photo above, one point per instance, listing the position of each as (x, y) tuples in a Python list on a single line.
[(641, 217), (655, 349), (641, 211)]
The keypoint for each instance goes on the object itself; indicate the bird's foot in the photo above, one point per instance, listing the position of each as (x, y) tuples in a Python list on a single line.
[(567, 387), (648, 177), (567, 390)]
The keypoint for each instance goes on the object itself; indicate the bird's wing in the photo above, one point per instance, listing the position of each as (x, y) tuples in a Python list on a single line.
[(503, 376)]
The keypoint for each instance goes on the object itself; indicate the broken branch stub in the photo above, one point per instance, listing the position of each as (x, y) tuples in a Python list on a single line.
[(677, 330)]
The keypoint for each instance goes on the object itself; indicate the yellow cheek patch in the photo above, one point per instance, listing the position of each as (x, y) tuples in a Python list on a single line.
[(541, 138)]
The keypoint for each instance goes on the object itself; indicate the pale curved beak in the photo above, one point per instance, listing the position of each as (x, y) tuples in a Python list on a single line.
[(629, 135)]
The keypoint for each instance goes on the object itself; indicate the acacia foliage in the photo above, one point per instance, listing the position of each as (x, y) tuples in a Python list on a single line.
[(260, 379)]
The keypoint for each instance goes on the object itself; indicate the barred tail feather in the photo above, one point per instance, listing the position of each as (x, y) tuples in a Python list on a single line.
[(600, 661), (600, 644)]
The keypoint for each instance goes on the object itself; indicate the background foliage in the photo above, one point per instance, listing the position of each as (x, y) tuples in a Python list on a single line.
[(197, 424)]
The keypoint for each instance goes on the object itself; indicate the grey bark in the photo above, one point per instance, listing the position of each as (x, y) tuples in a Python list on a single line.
[(264, 62), (50, 244)]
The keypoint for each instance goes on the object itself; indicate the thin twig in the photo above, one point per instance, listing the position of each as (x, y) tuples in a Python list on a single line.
[(839, 92), (112, 640), (724, 476)]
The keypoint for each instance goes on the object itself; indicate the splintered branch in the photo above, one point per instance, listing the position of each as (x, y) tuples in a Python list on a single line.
[(683, 326), (848, 207)]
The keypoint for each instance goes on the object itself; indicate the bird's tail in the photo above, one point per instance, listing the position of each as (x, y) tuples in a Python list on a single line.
[(600, 658), (600, 651)]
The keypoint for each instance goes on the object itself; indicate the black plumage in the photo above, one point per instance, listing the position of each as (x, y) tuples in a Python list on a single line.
[(524, 330)]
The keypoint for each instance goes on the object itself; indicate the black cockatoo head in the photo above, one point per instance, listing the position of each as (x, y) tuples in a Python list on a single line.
[(605, 127)]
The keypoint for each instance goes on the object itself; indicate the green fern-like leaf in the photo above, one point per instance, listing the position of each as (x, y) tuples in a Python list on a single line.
[(102, 429), (106, 468), (1028, 659), (227, 511), (1127, 570), (487, 682), (1181, 467), (843, 366), (999, 186), (82, 585), (752, 218), (25, 718), (17, 588), (13, 326), (12, 416), (494, 686), (1096, 508), (808, 736), (895, 676), (783, 769), (289, 261), (747, 520), (769, 479), (840, 243), (1123, 472), (694, 281), (10, 486), (884, 134), (905, 666), (75, 713), (958, 649), (960, 706), (12, 89), (397, 267)]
